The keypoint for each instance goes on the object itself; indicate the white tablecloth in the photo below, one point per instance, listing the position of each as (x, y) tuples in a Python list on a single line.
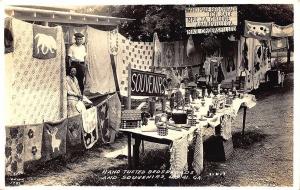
[(206, 127)]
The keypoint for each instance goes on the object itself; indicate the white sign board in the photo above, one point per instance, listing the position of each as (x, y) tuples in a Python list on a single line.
[(211, 30), (210, 16)]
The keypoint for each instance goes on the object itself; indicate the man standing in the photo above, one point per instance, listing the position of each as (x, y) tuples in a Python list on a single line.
[(76, 54)]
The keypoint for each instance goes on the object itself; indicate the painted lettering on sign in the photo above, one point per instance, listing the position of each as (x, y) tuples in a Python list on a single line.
[(210, 16), (147, 83)]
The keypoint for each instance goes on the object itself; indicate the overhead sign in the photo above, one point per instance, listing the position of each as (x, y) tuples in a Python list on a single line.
[(211, 30), (203, 20), (147, 83), (210, 16)]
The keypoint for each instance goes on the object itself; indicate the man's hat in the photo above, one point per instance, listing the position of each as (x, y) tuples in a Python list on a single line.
[(78, 35)]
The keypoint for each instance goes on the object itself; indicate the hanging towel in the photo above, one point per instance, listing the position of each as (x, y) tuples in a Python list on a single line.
[(258, 30), (168, 55), (178, 159), (44, 42), (54, 139), (157, 51), (103, 127), (99, 76), (190, 47), (74, 130), (90, 129), (206, 66), (14, 151), (198, 153), (220, 76), (278, 44), (282, 31), (33, 142), (226, 122), (114, 115), (113, 42), (185, 73)]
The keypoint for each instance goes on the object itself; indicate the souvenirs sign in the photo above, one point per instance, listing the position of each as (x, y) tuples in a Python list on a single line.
[(210, 19), (147, 83)]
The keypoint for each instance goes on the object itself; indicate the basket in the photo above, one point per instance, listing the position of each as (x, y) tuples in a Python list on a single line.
[(192, 120), (162, 130)]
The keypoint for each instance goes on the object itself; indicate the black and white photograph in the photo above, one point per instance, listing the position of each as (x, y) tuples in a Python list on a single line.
[(162, 95)]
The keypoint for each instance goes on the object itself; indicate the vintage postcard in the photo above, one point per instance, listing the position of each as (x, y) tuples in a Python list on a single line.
[(198, 95)]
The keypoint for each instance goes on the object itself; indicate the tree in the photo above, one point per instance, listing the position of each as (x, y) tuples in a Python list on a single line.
[(169, 20)]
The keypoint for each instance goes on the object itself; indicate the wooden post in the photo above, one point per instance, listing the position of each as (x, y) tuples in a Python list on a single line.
[(129, 87), (136, 152), (163, 104), (244, 120), (129, 151), (288, 52)]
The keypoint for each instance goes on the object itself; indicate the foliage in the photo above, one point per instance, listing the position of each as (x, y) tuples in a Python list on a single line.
[(169, 20)]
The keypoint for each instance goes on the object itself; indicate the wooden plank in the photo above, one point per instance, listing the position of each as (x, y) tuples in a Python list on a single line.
[(129, 87), (65, 20)]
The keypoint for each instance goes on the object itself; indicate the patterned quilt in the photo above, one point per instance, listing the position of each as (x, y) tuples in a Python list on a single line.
[(36, 87)]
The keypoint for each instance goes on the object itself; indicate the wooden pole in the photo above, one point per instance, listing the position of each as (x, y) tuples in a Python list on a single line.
[(129, 87), (129, 150), (244, 120), (288, 52)]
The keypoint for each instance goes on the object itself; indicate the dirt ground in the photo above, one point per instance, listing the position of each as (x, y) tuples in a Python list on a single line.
[(268, 161)]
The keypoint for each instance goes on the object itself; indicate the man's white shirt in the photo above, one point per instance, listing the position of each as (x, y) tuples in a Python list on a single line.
[(77, 53)]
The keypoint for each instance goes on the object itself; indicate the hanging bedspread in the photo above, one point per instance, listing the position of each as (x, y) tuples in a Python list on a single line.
[(157, 50), (245, 65), (103, 127), (114, 116), (90, 127), (198, 152), (35, 86), (174, 54), (44, 42), (139, 54), (178, 158), (279, 44), (229, 62), (74, 130), (33, 142), (258, 30), (99, 76), (54, 139), (282, 31), (14, 151)]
